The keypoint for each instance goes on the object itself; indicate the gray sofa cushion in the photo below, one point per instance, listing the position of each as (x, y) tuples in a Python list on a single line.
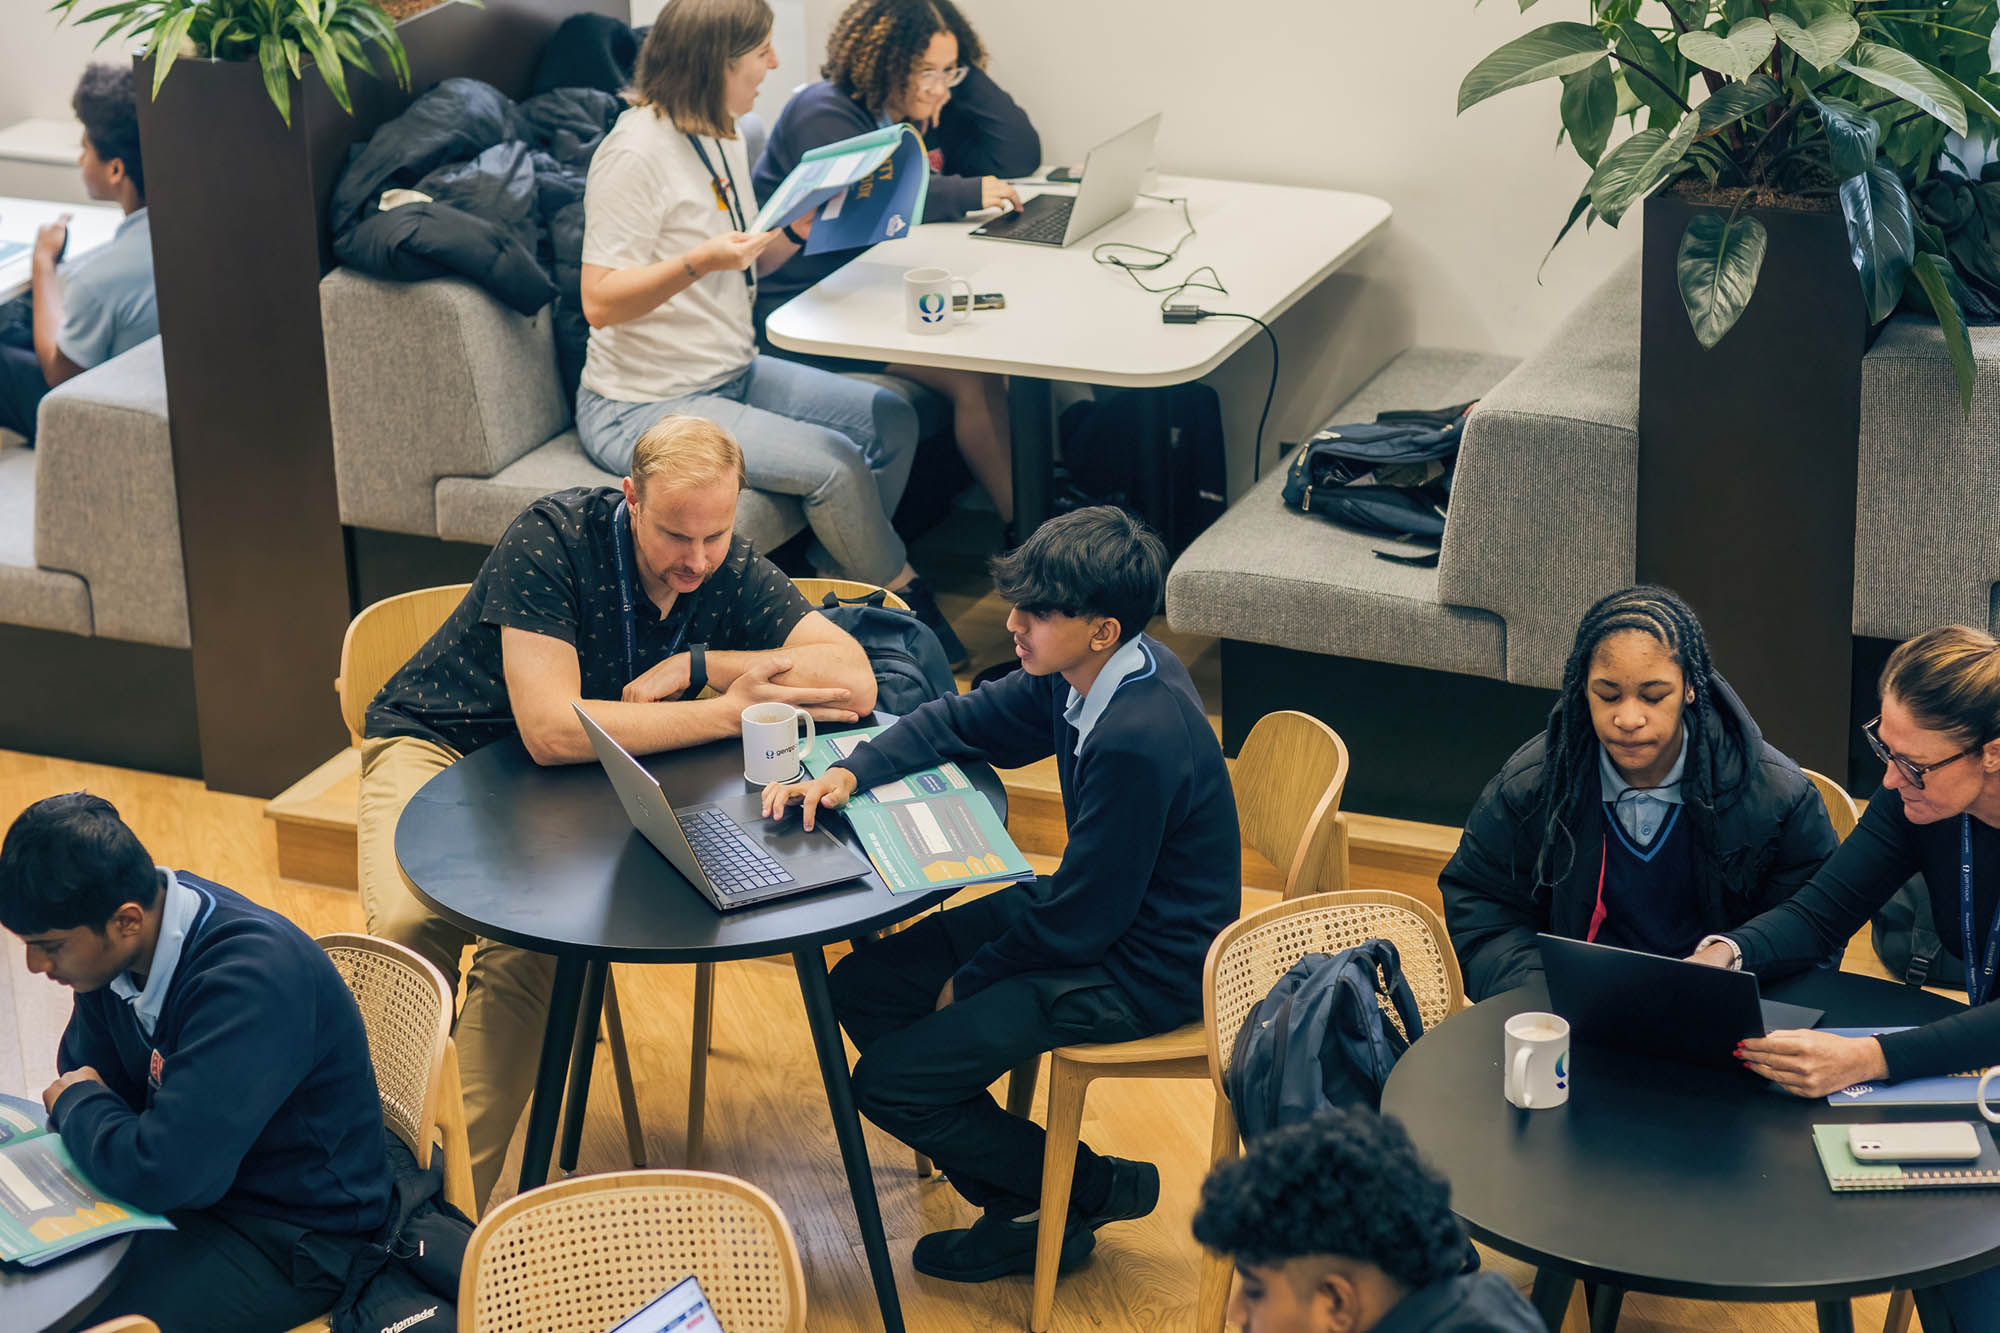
[(1267, 574), (1926, 535), (428, 380), (105, 501), (478, 509), (35, 598), (1543, 510)]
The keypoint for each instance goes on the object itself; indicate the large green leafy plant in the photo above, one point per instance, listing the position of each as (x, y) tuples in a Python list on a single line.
[(280, 35), (1788, 103)]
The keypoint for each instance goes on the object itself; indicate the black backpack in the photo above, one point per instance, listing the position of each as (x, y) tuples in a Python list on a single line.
[(1389, 478), (1101, 443), (909, 662), (1906, 940), (407, 1279), (1320, 1039)]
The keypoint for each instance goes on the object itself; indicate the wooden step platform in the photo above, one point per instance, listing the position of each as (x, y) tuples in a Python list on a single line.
[(314, 820)]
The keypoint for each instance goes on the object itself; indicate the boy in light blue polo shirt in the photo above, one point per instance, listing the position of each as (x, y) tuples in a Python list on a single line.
[(87, 311)]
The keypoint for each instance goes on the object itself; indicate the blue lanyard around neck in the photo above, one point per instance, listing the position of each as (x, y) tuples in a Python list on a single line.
[(628, 611), (1978, 975)]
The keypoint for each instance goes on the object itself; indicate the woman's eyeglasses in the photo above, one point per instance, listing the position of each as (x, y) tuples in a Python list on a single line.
[(1909, 769), (949, 78)]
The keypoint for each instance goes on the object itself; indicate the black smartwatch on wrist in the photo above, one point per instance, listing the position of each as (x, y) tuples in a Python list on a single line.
[(697, 670), (793, 236)]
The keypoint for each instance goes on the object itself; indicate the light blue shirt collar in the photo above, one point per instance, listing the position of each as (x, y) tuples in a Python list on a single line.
[(1082, 711), (136, 218), (1640, 809), (177, 916)]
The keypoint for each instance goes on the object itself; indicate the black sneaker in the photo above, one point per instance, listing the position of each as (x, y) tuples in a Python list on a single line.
[(1135, 1191), (924, 606), (995, 1246)]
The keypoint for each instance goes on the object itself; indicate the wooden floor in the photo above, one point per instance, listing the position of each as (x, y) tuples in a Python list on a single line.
[(767, 1114)]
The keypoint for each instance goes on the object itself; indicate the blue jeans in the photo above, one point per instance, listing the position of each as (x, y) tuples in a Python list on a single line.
[(843, 447)]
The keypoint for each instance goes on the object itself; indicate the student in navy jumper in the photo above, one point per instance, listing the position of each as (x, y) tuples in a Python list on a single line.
[(1650, 814), (917, 62), (214, 1069), (1108, 949)]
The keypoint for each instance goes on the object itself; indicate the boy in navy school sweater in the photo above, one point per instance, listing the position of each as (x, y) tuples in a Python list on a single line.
[(214, 1069), (1109, 949)]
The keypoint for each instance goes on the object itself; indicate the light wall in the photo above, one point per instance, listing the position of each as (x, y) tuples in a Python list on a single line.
[(40, 59), (1344, 94)]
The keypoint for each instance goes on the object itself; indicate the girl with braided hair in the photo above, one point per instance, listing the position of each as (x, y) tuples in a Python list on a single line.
[(920, 63), (1650, 815)]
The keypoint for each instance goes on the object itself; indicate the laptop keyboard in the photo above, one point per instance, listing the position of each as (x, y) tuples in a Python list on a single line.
[(733, 864), (1037, 221)]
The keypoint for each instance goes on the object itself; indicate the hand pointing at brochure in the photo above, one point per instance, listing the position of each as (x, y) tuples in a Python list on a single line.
[(830, 791)]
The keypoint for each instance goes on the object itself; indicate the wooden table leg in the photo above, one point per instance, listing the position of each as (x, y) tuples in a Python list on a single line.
[(583, 1054), (1551, 1296), (1031, 411), (1834, 1316), (565, 997), (811, 965), (1932, 1312)]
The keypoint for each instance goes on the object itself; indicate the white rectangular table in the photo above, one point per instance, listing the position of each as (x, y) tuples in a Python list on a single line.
[(90, 226), (1072, 319)]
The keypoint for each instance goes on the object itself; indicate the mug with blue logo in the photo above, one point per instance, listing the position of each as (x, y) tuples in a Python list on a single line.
[(1535, 1069), (927, 296)]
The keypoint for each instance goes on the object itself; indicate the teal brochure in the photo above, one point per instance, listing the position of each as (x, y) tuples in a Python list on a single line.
[(869, 188), (1939, 1090), (926, 830), (47, 1208)]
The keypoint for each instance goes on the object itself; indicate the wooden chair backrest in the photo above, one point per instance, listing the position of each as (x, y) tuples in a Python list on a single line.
[(815, 591), (406, 1008), (1840, 807), (579, 1255), (381, 639), (1288, 780), (131, 1323), (1247, 959)]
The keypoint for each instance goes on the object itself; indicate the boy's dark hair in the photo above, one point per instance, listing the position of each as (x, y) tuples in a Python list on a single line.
[(103, 102), (1347, 1183), (1099, 561), (70, 861)]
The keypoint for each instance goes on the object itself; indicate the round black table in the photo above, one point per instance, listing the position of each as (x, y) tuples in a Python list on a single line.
[(60, 1293), (1666, 1178), (545, 859)]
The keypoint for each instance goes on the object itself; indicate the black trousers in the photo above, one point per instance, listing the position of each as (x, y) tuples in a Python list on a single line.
[(222, 1271), (924, 1071), (21, 390)]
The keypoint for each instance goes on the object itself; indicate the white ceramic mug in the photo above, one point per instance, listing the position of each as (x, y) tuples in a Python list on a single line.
[(771, 749), (1990, 1112), (1537, 1060), (927, 296)]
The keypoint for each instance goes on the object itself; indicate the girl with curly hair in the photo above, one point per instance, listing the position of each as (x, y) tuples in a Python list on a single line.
[(1650, 814), (669, 278), (917, 62)]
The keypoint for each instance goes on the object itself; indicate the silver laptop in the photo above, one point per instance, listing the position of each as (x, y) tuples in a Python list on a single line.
[(1111, 176), (726, 849)]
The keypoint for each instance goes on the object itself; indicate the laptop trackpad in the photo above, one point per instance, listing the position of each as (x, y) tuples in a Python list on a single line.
[(1779, 1015)]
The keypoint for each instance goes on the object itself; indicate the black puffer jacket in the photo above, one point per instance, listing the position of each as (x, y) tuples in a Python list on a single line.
[(1770, 833), (505, 185)]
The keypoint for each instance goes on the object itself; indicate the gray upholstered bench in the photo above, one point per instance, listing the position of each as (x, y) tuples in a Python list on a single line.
[(1435, 675)]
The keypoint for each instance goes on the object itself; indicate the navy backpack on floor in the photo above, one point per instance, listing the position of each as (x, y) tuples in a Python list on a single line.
[(909, 663)]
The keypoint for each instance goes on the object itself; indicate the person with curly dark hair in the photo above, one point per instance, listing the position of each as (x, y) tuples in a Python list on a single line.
[(1337, 1226), (918, 62), (1650, 815), (89, 310)]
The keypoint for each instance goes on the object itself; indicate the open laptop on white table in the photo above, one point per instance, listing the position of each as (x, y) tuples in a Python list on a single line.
[(1111, 175)]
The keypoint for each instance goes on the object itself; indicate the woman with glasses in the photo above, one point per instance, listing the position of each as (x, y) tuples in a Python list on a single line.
[(917, 62), (668, 283), (1649, 815)]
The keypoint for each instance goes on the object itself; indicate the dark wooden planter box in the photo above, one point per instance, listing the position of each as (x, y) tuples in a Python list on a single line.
[(1747, 472), (238, 207)]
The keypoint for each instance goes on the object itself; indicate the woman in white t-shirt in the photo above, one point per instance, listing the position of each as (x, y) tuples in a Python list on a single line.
[(669, 278)]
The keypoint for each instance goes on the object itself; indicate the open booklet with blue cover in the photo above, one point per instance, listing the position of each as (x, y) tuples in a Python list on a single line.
[(1939, 1090), (868, 188), (926, 830), (47, 1208)]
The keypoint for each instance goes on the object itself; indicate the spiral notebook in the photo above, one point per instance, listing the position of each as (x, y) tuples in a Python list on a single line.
[(1844, 1172)]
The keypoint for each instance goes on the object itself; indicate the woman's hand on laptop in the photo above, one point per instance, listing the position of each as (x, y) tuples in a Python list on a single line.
[(996, 193), (1713, 955), (1813, 1064), (830, 792)]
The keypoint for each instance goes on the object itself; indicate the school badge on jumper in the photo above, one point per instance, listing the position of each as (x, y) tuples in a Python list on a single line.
[(155, 1067)]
